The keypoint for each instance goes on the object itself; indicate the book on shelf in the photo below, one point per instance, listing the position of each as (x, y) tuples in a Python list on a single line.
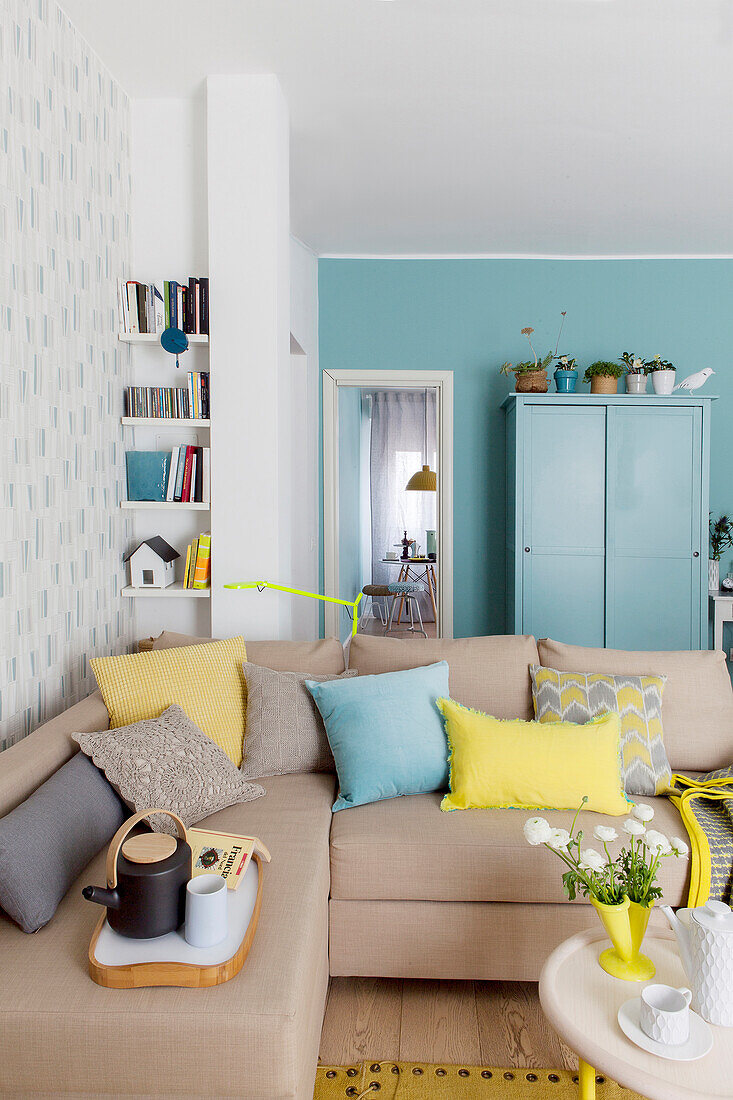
[(143, 308), (197, 571), (171, 402), (189, 475)]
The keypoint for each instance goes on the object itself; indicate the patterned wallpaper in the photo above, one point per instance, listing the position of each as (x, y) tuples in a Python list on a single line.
[(64, 241)]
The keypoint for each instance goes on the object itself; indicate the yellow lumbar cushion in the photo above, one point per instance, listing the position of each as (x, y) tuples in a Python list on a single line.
[(206, 680), (497, 763)]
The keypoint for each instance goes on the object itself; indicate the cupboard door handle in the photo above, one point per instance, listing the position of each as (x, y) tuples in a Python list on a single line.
[(696, 553), (526, 549)]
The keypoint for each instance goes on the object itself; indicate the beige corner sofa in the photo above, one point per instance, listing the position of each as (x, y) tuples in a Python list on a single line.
[(396, 888)]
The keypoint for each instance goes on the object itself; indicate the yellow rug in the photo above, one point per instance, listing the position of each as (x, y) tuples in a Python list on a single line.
[(419, 1081)]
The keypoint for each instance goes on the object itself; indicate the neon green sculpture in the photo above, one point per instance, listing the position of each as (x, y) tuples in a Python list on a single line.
[(262, 585)]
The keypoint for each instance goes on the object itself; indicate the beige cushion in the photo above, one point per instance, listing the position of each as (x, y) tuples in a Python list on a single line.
[(169, 763), (697, 705), (325, 655), (36, 757), (490, 674), (405, 848), (285, 731), (61, 1033)]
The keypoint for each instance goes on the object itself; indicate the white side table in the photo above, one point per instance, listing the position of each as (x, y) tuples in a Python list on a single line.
[(581, 1002), (722, 608)]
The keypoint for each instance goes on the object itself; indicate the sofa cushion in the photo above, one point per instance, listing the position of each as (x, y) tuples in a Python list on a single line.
[(489, 674), (406, 849), (36, 757), (323, 656), (697, 705), (61, 1032)]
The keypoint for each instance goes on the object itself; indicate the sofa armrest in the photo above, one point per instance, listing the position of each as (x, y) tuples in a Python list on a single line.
[(31, 761)]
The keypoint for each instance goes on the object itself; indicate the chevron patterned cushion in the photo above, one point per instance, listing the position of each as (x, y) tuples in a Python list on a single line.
[(578, 697)]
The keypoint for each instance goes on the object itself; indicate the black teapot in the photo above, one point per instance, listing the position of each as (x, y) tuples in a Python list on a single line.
[(146, 880)]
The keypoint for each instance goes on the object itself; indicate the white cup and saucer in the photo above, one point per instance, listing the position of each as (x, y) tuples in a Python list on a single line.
[(662, 1022)]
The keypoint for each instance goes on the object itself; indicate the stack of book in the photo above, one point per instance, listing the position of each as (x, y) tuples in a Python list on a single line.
[(198, 562), (189, 478), (142, 307), (171, 402)]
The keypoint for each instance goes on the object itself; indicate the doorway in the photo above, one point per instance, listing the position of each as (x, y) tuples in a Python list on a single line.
[(388, 480)]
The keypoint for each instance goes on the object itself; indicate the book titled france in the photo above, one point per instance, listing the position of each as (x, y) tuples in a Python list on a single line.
[(225, 854)]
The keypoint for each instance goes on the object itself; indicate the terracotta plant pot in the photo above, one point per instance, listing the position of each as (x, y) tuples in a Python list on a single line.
[(531, 382), (625, 925), (603, 383)]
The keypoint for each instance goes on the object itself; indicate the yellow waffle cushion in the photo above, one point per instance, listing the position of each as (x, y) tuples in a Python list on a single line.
[(206, 680), (512, 764), (579, 696)]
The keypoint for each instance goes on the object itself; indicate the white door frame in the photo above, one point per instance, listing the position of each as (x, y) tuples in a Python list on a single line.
[(440, 380)]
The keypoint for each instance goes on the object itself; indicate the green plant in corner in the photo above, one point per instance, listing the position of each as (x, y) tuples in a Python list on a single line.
[(721, 536), (603, 368)]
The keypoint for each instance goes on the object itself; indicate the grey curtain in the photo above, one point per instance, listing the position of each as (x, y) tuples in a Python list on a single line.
[(397, 451)]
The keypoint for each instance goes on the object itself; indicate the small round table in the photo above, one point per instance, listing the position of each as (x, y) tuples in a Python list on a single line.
[(581, 1002), (417, 569)]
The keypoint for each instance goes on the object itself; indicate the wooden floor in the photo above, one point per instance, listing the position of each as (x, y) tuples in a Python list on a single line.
[(474, 1023)]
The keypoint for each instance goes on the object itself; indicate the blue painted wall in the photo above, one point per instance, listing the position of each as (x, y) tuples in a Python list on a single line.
[(466, 316)]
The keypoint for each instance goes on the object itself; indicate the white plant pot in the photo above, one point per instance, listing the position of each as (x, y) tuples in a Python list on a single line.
[(663, 381), (713, 575), (636, 383)]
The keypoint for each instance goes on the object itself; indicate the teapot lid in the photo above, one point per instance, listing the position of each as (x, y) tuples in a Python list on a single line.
[(715, 916), (149, 847)]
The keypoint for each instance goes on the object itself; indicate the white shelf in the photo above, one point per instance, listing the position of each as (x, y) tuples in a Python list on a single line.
[(171, 592), (163, 422), (161, 505), (154, 338)]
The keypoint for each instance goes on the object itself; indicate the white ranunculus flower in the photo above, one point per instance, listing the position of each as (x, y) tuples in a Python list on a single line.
[(657, 842), (537, 831), (642, 812), (678, 846), (633, 827), (559, 839), (591, 860), (605, 833)]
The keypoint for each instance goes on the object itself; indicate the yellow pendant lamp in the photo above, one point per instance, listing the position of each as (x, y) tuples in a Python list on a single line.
[(424, 480)]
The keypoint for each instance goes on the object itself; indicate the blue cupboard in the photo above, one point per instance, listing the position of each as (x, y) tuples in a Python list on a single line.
[(607, 519)]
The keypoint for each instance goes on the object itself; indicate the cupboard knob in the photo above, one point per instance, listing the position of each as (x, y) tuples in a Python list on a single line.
[(526, 549), (696, 554)]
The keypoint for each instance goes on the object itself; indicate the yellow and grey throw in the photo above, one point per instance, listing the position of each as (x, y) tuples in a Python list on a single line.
[(579, 697), (705, 803)]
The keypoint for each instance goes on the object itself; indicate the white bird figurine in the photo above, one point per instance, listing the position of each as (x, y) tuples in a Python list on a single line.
[(694, 381)]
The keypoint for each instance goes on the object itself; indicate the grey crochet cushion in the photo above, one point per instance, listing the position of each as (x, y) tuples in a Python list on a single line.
[(284, 730), (170, 764)]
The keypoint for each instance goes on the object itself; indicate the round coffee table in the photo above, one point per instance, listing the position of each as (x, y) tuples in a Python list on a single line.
[(581, 1002)]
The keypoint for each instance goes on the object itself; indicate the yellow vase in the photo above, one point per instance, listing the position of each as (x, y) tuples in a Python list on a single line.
[(625, 931)]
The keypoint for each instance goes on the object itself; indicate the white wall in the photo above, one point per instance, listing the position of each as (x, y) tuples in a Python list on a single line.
[(170, 241)]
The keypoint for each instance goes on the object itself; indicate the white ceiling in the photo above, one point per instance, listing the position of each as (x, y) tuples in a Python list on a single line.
[(595, 127)]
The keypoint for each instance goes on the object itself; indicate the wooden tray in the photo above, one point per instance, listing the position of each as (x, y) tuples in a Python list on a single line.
[(119, 962)]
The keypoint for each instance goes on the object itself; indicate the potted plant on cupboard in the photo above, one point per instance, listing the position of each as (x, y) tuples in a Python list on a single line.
[(530, 376), (635, 372), (721, 537), (603, 376), (566, 374), (663, 374)]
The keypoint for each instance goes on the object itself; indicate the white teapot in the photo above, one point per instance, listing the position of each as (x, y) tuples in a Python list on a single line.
[(705, 939)]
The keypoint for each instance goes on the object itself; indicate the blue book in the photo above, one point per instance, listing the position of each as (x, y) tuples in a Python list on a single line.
[(147, 474)]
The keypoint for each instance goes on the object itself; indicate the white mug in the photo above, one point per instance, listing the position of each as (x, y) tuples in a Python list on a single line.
[(391, 555), (665, 1014), (206, 910)]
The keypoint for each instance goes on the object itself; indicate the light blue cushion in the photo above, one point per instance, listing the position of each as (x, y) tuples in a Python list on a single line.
[(386, 733)]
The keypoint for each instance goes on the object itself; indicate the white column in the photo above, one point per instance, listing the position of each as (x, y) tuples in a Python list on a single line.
[(249, 242)]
